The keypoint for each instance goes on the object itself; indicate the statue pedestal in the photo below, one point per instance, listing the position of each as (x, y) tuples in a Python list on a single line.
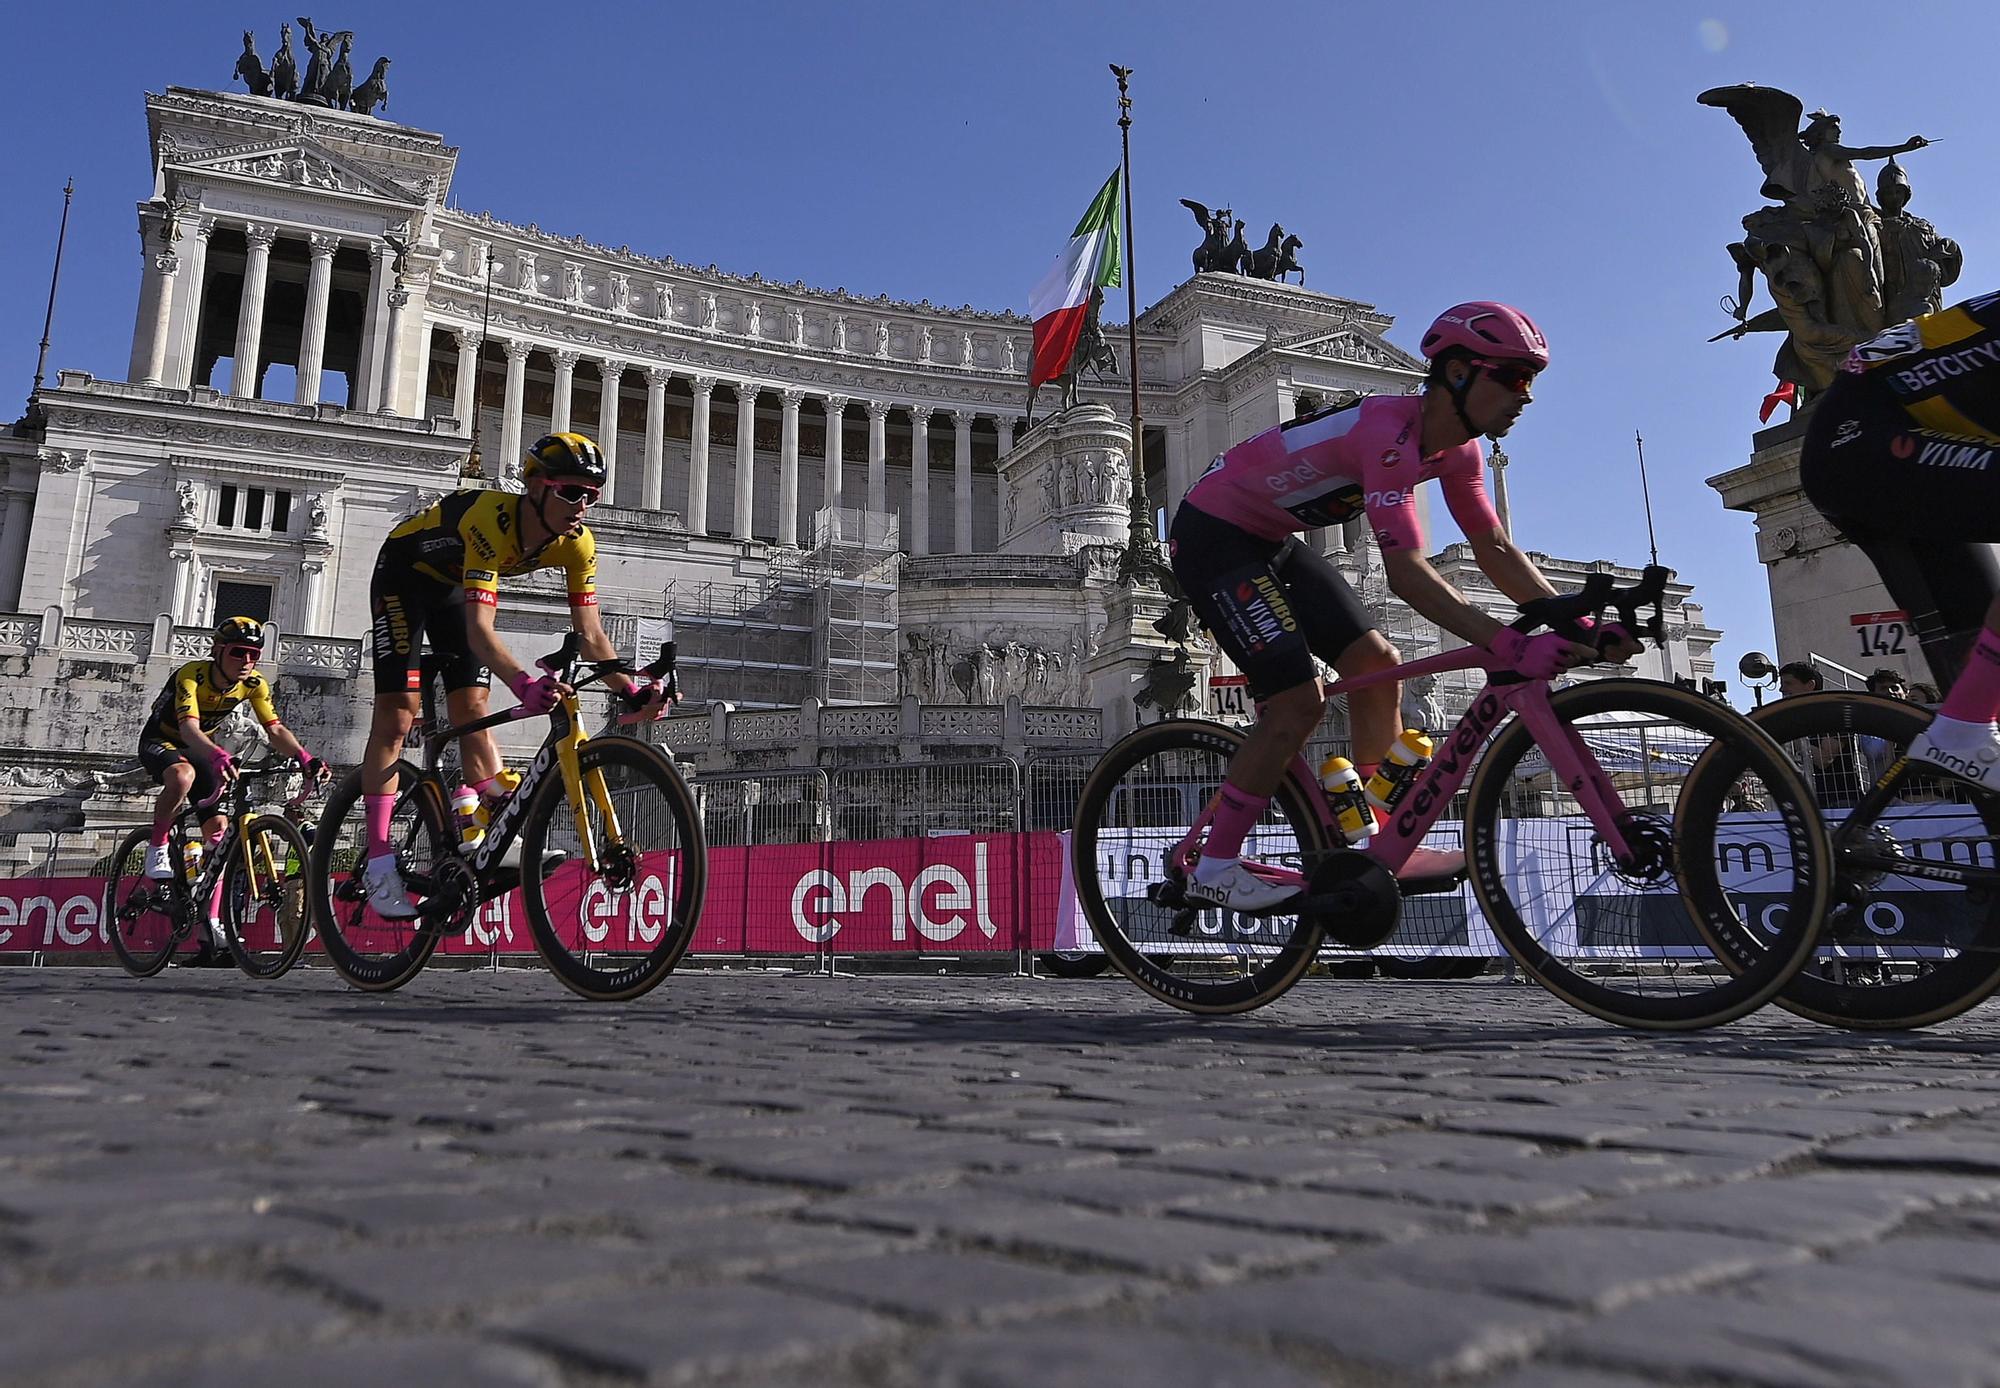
[(1068, 484), (1126, 650)]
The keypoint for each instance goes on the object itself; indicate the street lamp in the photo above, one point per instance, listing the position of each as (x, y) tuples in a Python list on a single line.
[(1758, 672)]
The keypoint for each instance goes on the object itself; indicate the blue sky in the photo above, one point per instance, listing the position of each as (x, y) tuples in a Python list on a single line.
[(1551, 155)]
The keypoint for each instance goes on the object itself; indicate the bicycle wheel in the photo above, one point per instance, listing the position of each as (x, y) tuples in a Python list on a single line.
[(613, 887), (1721, 831), (1135, 807), (1899, 950), (140, 914), (368, 951), (265, 906)]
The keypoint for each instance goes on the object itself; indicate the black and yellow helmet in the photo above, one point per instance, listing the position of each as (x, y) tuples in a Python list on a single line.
[(240, 631), (560, 457)]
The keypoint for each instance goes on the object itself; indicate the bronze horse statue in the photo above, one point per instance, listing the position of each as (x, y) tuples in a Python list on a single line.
[(1275, 259), (251, 68), (1215, 252)]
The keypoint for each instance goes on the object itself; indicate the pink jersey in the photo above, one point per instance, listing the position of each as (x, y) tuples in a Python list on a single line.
[(1329, 467)]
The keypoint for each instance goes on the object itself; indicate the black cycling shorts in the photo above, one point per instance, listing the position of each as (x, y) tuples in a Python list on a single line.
[(1272, 605), (1924, 507), (406, 607), (157, 753)]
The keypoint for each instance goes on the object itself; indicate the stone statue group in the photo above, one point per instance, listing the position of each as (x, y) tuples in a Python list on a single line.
[(328, 79), (1839, 268), (1232, 255), (990, 672)]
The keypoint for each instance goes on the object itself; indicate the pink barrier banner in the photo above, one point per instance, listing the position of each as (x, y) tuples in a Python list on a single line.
[(951, 894)]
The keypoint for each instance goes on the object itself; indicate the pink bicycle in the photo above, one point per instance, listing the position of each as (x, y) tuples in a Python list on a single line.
[(1644, 852)]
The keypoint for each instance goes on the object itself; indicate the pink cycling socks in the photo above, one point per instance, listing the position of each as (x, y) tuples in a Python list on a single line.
[(381, 809), (161, 833), (1235, 815), (1975, 695)]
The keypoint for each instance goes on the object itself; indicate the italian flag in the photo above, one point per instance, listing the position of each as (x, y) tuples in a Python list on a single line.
[(1060, 301)]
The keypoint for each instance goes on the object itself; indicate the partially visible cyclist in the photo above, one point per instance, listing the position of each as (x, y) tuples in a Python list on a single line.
[(176, 749), (1903, 455), (439, 574), (1274, 603)]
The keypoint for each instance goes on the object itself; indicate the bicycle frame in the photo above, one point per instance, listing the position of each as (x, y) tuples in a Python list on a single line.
[(1425, 802), (235, 839), (1856, 850)]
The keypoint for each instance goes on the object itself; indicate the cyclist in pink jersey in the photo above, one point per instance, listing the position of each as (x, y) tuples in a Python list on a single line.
[(1273, 603)]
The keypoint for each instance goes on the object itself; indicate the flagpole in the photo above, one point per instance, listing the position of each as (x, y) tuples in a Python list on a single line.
[(55, 277), (1141, 549)]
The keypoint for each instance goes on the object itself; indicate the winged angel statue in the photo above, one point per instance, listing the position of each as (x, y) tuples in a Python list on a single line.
[(1820, 248)]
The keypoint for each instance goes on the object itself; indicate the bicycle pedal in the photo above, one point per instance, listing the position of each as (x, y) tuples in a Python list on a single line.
[(1182, 925), (1171, 893)]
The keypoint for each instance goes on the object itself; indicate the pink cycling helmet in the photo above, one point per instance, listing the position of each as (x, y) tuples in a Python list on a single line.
[(1487, 329)]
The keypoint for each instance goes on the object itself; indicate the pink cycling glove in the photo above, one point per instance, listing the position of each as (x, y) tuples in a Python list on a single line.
[(1535, 657), (537, 695)]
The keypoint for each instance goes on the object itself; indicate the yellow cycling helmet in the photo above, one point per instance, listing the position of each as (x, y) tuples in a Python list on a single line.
[(240, 631), (560, 457)]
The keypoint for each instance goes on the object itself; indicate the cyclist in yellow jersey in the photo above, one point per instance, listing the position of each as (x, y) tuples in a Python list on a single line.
[(175, 746), (1902, 453), (439, 573)]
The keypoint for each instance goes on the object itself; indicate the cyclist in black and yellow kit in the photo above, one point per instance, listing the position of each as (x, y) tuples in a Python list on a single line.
[(175, 746), (1903, 455), (439, 574)]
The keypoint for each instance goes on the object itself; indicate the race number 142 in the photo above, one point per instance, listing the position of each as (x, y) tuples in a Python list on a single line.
[(1881, 633)]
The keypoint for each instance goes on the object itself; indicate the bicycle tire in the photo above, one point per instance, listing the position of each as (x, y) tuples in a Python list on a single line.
[(283, 896), (1208, 746), (1946, 988), (142, 936), (336, 850), (658, 810), (1748, 972), (1072, 964)]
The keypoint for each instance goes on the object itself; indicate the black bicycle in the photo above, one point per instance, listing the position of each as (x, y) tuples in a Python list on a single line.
[(613, 864), (260, 863)]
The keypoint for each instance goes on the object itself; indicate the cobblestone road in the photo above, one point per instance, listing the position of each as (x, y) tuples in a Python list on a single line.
[(752, 1178)]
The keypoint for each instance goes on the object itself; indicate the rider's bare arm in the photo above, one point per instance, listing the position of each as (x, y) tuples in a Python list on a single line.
[(486, 644), (197, 741), (284, 742), (1512, 572), (595, 644), (1412, 579)]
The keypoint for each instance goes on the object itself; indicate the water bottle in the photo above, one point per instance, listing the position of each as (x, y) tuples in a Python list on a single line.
[(191, 859), (1347, 800), (1408, 756), (471, 817)]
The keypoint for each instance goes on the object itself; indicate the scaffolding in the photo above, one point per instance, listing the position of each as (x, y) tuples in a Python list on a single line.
[(820, 622)]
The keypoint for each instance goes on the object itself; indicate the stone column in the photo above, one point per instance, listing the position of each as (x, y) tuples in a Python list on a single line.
[(510, 409), (656, 436), (836, 418), (1501, 509), (961, 479), (918, 540), (17, 518), (179, 372), (392, 353), (183, 557), (314, 572), (565, 383), (312, 337), (788, 468), (612, 374), (250, 311), (152, 370), (878, 453), (365, 390), (465, 400), (746, 455), (697, 513)]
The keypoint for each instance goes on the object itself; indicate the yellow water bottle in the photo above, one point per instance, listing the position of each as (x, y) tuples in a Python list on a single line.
[(1408, 756), (191, 859), (471, 817), (1347, 800)]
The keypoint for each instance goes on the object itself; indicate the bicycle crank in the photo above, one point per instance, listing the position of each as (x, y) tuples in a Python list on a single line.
[(1354, 899)]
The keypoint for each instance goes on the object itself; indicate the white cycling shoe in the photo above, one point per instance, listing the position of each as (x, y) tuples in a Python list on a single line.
[(1236, 888), (159, 861), (387, 896), (1969, 751)]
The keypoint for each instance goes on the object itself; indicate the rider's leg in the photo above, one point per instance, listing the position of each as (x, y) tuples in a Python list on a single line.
[(174, 783), (478, 755), (1284, 722), (1374, 714)]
